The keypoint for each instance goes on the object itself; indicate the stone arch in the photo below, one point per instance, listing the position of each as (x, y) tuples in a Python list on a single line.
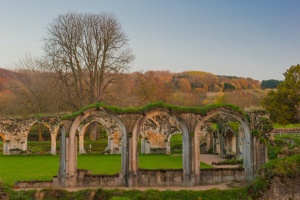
[(155, 132), (247, 140), (186, 158), (110, 130), (27, 130), (72, 154), (34, 123)]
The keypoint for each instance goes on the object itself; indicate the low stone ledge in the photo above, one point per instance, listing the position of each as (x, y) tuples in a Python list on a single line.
[(34, 184), (221, 175)]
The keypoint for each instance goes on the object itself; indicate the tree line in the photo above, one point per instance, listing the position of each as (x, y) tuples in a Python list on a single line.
[(28, 90)]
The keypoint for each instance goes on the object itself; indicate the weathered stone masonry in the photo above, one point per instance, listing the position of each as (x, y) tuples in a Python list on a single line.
[(129, 126), (190, 125)]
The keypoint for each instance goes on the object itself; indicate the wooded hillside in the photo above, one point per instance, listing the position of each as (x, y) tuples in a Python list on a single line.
[(25, 92)]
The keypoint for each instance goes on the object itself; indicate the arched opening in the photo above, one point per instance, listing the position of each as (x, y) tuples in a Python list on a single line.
[(153, 139), (100, 163), (219, 142), (96, 139), (100, 152), (231, 139), (229, 144), (175, 141), (155, 142), (39, 139), (164, 124)]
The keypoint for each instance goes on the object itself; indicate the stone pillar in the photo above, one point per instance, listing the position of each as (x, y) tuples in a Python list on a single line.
[(5, 148), (247, 152), (147, 147), (81, 144), (196, 159), (72, 161), (53, 144), (143, 146), (62, 156), (110, 145), (186, 157), (125, 159), (168, 146)]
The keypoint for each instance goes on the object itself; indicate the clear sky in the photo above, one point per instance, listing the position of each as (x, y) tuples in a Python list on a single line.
[(258, 38)]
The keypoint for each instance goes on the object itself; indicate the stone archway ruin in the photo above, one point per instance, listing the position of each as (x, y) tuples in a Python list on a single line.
[(247, 140), (70, 159), (112, 128), (130, 123)]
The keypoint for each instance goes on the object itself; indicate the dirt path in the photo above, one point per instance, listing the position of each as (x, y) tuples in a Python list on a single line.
[(222, 186)]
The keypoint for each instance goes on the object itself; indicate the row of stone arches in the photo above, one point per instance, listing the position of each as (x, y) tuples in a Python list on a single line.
[(132, 126)]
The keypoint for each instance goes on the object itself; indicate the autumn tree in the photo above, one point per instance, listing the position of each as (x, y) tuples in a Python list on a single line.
[(31, 87), (86, 52), (284, 103)]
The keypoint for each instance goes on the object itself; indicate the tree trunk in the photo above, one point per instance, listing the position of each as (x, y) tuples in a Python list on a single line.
[(40, 131), (93, 131)]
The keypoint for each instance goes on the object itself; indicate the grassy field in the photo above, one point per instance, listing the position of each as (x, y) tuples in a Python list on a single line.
[(43, 167)]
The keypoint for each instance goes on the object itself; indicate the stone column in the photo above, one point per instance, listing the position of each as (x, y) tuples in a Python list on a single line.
[(62, 158), (81, 144), (196, 158), (168, 146), (186, 156), (143, 146), (72, 161), (5, 148), (147, 147), (53, 144)]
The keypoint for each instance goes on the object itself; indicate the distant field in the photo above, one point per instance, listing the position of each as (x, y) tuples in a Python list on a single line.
[(43, 167)]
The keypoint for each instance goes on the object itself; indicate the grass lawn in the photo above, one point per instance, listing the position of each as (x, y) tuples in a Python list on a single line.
[(43, 167), (286, 126), (27, 167)]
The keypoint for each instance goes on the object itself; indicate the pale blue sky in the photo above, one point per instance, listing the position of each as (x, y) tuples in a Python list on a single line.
[(258, 38)]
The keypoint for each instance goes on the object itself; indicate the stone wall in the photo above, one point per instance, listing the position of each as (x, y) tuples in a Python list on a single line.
[(145, 178), (286, 189), (224, 175), (34, 184), (148, 178)]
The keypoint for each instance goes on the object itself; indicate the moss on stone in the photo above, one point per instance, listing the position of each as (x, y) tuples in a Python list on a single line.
[(155, 105)]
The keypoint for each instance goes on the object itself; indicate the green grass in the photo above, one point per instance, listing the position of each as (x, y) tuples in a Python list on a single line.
[(141, 110), (27, 167), (40, 147), (100, 164), (44, 167), (176, 144), (117, 194), (96, 146), (288, 144), (286, 126), (162, 161)]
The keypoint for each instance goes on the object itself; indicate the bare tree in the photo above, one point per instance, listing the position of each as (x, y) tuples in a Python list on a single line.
[(87, 52), (33, 87)]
